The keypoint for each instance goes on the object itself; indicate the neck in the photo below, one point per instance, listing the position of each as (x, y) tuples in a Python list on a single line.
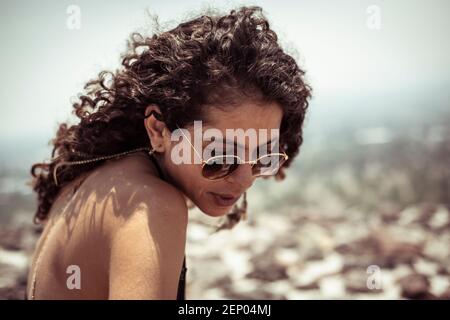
[(166, 176), (158, 158)]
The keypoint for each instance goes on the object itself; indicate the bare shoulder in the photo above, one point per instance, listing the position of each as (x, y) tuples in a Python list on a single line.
[(131, 186), (146, 221), (125, 226)]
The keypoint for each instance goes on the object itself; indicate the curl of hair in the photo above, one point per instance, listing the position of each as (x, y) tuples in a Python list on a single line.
[(211, 60)]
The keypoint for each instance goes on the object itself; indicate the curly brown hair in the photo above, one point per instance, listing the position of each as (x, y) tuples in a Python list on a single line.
[(212, 60)]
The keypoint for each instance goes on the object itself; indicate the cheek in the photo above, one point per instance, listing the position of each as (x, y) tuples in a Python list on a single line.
[(196, 187), (192, 173), (191, 182), (189, 177)]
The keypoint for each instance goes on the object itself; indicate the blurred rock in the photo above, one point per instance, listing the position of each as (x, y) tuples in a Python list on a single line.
[(267, 267), (440, 220), (332, 287), (311, 272), (356, 281), (415, 286), (11, 238)]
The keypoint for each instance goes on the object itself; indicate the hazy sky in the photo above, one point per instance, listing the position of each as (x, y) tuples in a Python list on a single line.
[(45, 64)]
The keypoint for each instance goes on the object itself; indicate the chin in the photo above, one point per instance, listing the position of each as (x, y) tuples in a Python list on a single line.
[(211, 209), (214, 211)]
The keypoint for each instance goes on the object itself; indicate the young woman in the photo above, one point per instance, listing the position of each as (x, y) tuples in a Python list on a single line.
[(114, 202)]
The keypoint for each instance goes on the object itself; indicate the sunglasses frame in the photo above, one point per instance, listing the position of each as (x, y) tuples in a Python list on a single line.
[(205, 162)]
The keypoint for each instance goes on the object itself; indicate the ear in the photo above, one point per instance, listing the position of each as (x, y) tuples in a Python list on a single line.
[(155, 129)]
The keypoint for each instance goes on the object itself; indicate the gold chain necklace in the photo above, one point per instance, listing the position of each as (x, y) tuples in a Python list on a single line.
[(65, 163)]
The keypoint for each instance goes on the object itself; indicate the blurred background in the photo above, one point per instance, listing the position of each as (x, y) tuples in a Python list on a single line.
[(363, 212)]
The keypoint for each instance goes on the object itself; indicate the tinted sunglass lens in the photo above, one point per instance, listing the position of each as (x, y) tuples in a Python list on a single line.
[(219, 167), (268, 165)]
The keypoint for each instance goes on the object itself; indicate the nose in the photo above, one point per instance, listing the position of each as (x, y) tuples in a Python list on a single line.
[(243, 176)]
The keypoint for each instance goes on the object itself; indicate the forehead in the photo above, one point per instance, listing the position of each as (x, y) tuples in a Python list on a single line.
[(236, 122), (248, 115)]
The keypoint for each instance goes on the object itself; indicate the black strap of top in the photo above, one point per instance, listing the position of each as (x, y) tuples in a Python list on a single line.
[(182, 279)]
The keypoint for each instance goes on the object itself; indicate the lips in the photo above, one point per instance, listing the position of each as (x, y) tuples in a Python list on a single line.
[(224, 200)]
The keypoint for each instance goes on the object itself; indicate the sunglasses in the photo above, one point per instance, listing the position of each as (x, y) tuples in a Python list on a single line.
[(222, 166)]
